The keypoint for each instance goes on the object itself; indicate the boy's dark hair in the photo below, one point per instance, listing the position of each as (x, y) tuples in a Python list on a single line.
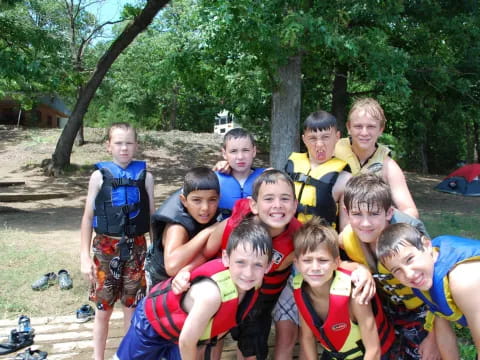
[(121, 125), (200, 178), (368, 189), (312, 234), (271, 176), (320, 120), (371, 107), (251, 231), (396, 235), (237, 133)]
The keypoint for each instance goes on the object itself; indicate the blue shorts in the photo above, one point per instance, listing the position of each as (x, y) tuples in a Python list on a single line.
[(142, 342)]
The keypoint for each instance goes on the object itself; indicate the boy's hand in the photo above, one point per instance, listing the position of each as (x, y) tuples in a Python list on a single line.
[(428, 348), (181, 282), (364, 285), (222, 166), (87, 268)]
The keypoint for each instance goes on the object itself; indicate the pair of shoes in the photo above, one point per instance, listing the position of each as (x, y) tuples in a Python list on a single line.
[(17, 340), (30, 354), (64, 281), (85, 313)]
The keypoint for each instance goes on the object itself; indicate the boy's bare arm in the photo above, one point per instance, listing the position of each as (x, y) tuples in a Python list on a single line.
[(401, 196), (464, 282), (149, 187), (214, 242), (368, 329), (308, 342), (206, 301), (444, 342), (87, 266), (363, 281), (179, 250)]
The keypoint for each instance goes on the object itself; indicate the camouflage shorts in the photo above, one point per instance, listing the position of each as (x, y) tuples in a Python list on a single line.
[(118, 280)]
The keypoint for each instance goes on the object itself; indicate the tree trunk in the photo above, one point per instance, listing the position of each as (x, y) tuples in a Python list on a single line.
[(476, 137), (424, 158), (63, 150), (286, 103), (340, 96)]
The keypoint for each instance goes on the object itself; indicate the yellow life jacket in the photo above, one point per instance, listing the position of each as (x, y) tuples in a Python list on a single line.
[(343, 150), (313, 187), (395, 291)]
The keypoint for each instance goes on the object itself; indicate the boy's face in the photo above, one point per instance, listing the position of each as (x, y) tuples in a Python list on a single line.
[(239, 153), (364, 130), (201, 205), (275, 206), (246, 266), (413, 267), (368, 223), (122, 145), (320, 144), (317, 267)]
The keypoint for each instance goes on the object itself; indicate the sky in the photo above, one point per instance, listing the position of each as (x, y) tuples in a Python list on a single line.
[(108, 10)]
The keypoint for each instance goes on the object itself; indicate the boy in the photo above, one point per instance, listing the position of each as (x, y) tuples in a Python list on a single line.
[(443, 272), (319, 181), (322, 292), (369, 207), (237, 177), (181, 226), (222, 293), (116, 271), (319, 177), (365, 124)]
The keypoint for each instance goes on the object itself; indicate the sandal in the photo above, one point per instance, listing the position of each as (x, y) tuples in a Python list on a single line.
[(64, 280), (16, 341), (30, 354)]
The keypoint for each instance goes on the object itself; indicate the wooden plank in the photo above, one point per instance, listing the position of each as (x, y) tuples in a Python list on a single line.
[(5, 183), (21, 197)]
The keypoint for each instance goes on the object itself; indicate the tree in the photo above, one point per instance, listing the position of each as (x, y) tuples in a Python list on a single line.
[(61, 156)]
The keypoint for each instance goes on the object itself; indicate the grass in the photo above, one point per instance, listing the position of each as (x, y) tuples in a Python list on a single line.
[(24, 261), (453, 224)]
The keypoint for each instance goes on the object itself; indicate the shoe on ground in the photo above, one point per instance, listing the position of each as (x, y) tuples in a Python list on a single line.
[(85, 313), (17, 340), (45, 281), (64, 280), (30, 354)]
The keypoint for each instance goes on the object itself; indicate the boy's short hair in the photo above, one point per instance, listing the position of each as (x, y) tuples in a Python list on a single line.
[(237, 133), (200, 178), (254, 232), (271, 176), (121, 125), (368, 189), (320, 120), (312, 234), (396, 235), (371, 107)]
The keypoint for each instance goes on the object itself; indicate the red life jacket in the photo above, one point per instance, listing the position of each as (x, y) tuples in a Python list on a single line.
[(163, 308), (337, 334), (274, 281)]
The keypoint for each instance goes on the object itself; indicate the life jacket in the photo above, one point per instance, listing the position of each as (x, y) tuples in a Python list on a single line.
[(231, 190), (163, 309), (274, 281), (388, 284), (452, 251), (122, 205), (343, 150), (313, 187), (338, 334)]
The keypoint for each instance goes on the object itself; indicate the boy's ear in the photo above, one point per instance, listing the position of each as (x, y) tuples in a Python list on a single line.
[(427, 243), (338, 135), (224, 154), (389, 213), (253, 206), (183, 200), (225, 258), (254, 151)]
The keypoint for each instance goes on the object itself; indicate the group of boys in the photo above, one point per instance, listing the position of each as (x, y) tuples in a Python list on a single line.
[(193, 301)]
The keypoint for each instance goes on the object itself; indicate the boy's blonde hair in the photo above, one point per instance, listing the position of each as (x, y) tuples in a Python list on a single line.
[(271, 176), (121, 125), (396, 235), (314, 233), (368, 189), (371, 107)]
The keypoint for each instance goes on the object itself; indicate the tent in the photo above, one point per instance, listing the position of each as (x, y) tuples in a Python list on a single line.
[(464, 181)]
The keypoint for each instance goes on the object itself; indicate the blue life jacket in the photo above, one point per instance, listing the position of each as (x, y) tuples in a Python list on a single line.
[(121, 205), (231, 190)]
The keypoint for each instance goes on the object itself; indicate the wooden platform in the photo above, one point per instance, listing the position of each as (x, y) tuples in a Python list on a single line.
[(63, 338), (5, 183)]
